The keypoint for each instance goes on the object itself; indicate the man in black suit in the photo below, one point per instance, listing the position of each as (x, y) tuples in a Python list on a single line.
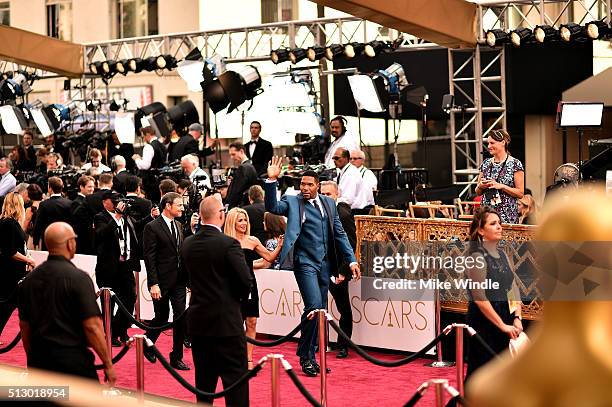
[(219, 279), (162, 239), (140, 209), (118, 257), (185, 145), (256, 211), (258, 150), (82, 216), (28, 162), (120, 174), (242, 178), (54, 209), (105, 183), (340, 291)]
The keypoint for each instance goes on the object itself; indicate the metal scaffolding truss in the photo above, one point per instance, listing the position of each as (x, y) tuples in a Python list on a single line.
[(509, 15), (249, 43), (476, 79)]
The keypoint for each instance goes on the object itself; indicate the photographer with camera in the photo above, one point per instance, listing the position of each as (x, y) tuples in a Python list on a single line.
[(153, 157), (118, 257), (191, 167), (95, 160), (54, 209)]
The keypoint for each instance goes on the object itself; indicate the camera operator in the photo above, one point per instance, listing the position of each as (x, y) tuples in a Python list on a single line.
[(55, 145), (105, 183), (95, 160), (242, 178), (140, 208), (153, 157), (54, 209), (120, 173), (118, 257), (191, 166), (342, 139), (82, 216)]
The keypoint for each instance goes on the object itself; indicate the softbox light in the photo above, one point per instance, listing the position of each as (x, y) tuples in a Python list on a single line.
[(191, 73), (40, 119), (13, 119), (365, 93), (579, 114), (125, 127)]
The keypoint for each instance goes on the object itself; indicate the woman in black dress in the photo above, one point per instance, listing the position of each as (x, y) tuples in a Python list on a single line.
[(494, 313), (237, 226), (14, 259)]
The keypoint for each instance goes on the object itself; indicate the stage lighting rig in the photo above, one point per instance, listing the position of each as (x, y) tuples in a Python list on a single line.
[(545, 33), (521, 36), (135, 65), (109, 68), (279, 55), (230, 87), (315, 53), (353, 49), (598, 29), (95, 68), (334, 51), (496, 37), (374, 48), (572, 32), (296, 55), (123, 67)]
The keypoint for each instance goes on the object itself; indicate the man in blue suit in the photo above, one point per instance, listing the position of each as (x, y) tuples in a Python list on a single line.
[(313, 234)]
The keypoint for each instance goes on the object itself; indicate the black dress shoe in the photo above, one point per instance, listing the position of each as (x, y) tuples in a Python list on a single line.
[(318, 368), (308, 368), (179, 364), (150, 355), (116, 343), (187, 343), (342, 353)]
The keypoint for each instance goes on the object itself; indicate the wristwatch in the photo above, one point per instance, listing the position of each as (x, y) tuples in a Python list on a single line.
[(517, 316)]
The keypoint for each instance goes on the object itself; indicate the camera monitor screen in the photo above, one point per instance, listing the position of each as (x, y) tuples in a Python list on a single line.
[(581, 114)]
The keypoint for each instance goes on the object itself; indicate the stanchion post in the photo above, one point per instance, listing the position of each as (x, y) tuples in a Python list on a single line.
[(137, 304), (323, 355), (440, 362), (276, 369), (439, 385), (459, 356), (106, 304), (140, 365)]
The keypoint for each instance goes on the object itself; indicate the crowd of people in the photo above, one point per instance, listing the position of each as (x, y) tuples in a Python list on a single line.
[(123, 213)]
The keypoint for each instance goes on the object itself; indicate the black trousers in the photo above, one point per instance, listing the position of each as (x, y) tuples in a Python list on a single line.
[(73, 361), (176, 296), (340, 292), (123, 285), (224, 357)]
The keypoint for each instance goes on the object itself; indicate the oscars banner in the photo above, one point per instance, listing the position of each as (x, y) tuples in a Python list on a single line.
[(390, 324)]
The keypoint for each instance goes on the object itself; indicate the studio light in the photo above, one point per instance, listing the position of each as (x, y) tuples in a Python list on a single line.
[(13, 119), (315, 53), (8, 90), (296, 55), (597, 29), (334, 51), (396, 77), (497, 37), (123, 66), (150, 64), (166, 61), (95, 68), (135, 65), (93, 105), (109, 67), (279, 55), (241, 86), (375, 47), (353, 49), (545, 33), (571, 31), (521, 36), (114, 106)]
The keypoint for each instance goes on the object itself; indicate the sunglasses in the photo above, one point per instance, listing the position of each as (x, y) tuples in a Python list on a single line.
[(336, 158), (356, 158)]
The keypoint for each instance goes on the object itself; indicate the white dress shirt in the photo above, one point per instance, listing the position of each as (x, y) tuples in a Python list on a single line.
[(170, 223), (101, 167), (369, 178), (311, 202), (123, 232), (252, 146), (350, 187), (7, 183), (144, 163), (346, 141)]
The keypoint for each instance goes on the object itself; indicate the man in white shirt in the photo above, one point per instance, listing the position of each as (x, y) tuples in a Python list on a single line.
[(7, 180), (95, 160), (191, 166), (350, 184), (344, 140)]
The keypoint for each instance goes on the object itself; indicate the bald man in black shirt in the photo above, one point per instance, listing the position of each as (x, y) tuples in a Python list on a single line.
[(58, 314)]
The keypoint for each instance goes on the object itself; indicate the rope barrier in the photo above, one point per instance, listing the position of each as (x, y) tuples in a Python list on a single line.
[(142, 325), (417, 395), (11, 345), (279, 340), (485, 345), (248, 376), (385, 363), (296, 381), (116, 358), (457, 400)]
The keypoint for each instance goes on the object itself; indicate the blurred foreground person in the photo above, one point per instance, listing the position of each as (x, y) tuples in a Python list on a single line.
[(58, 314), (568, 362)]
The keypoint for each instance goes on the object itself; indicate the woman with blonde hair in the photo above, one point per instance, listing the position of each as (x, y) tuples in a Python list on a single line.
[(14, 259), (527, 210), (237, 226)]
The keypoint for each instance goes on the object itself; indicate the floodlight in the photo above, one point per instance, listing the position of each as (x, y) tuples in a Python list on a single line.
[(497, 37), (395, 76), (123, 66), (571, 31), (191, 73), (334, 51), (521, 36), (93, 105), (9, 90), (44, 126), (125, 128), (109, 67), (315, 53), (375, 47), (296, 55), (95, 68), (279, 55), (114, 106), (241, 86), (135, 65), (353, 49), (165, 61), (578, 114), (545, 33), (13, 119), (365, 93), (597, 29)]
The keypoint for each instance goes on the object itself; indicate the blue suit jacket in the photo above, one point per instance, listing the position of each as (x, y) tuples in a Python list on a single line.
[(293, 208)]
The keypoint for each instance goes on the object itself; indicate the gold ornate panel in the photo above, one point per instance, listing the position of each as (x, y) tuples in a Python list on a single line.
[(521, 257)]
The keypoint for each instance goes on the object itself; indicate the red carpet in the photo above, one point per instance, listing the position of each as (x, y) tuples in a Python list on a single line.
[(353, 381)]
